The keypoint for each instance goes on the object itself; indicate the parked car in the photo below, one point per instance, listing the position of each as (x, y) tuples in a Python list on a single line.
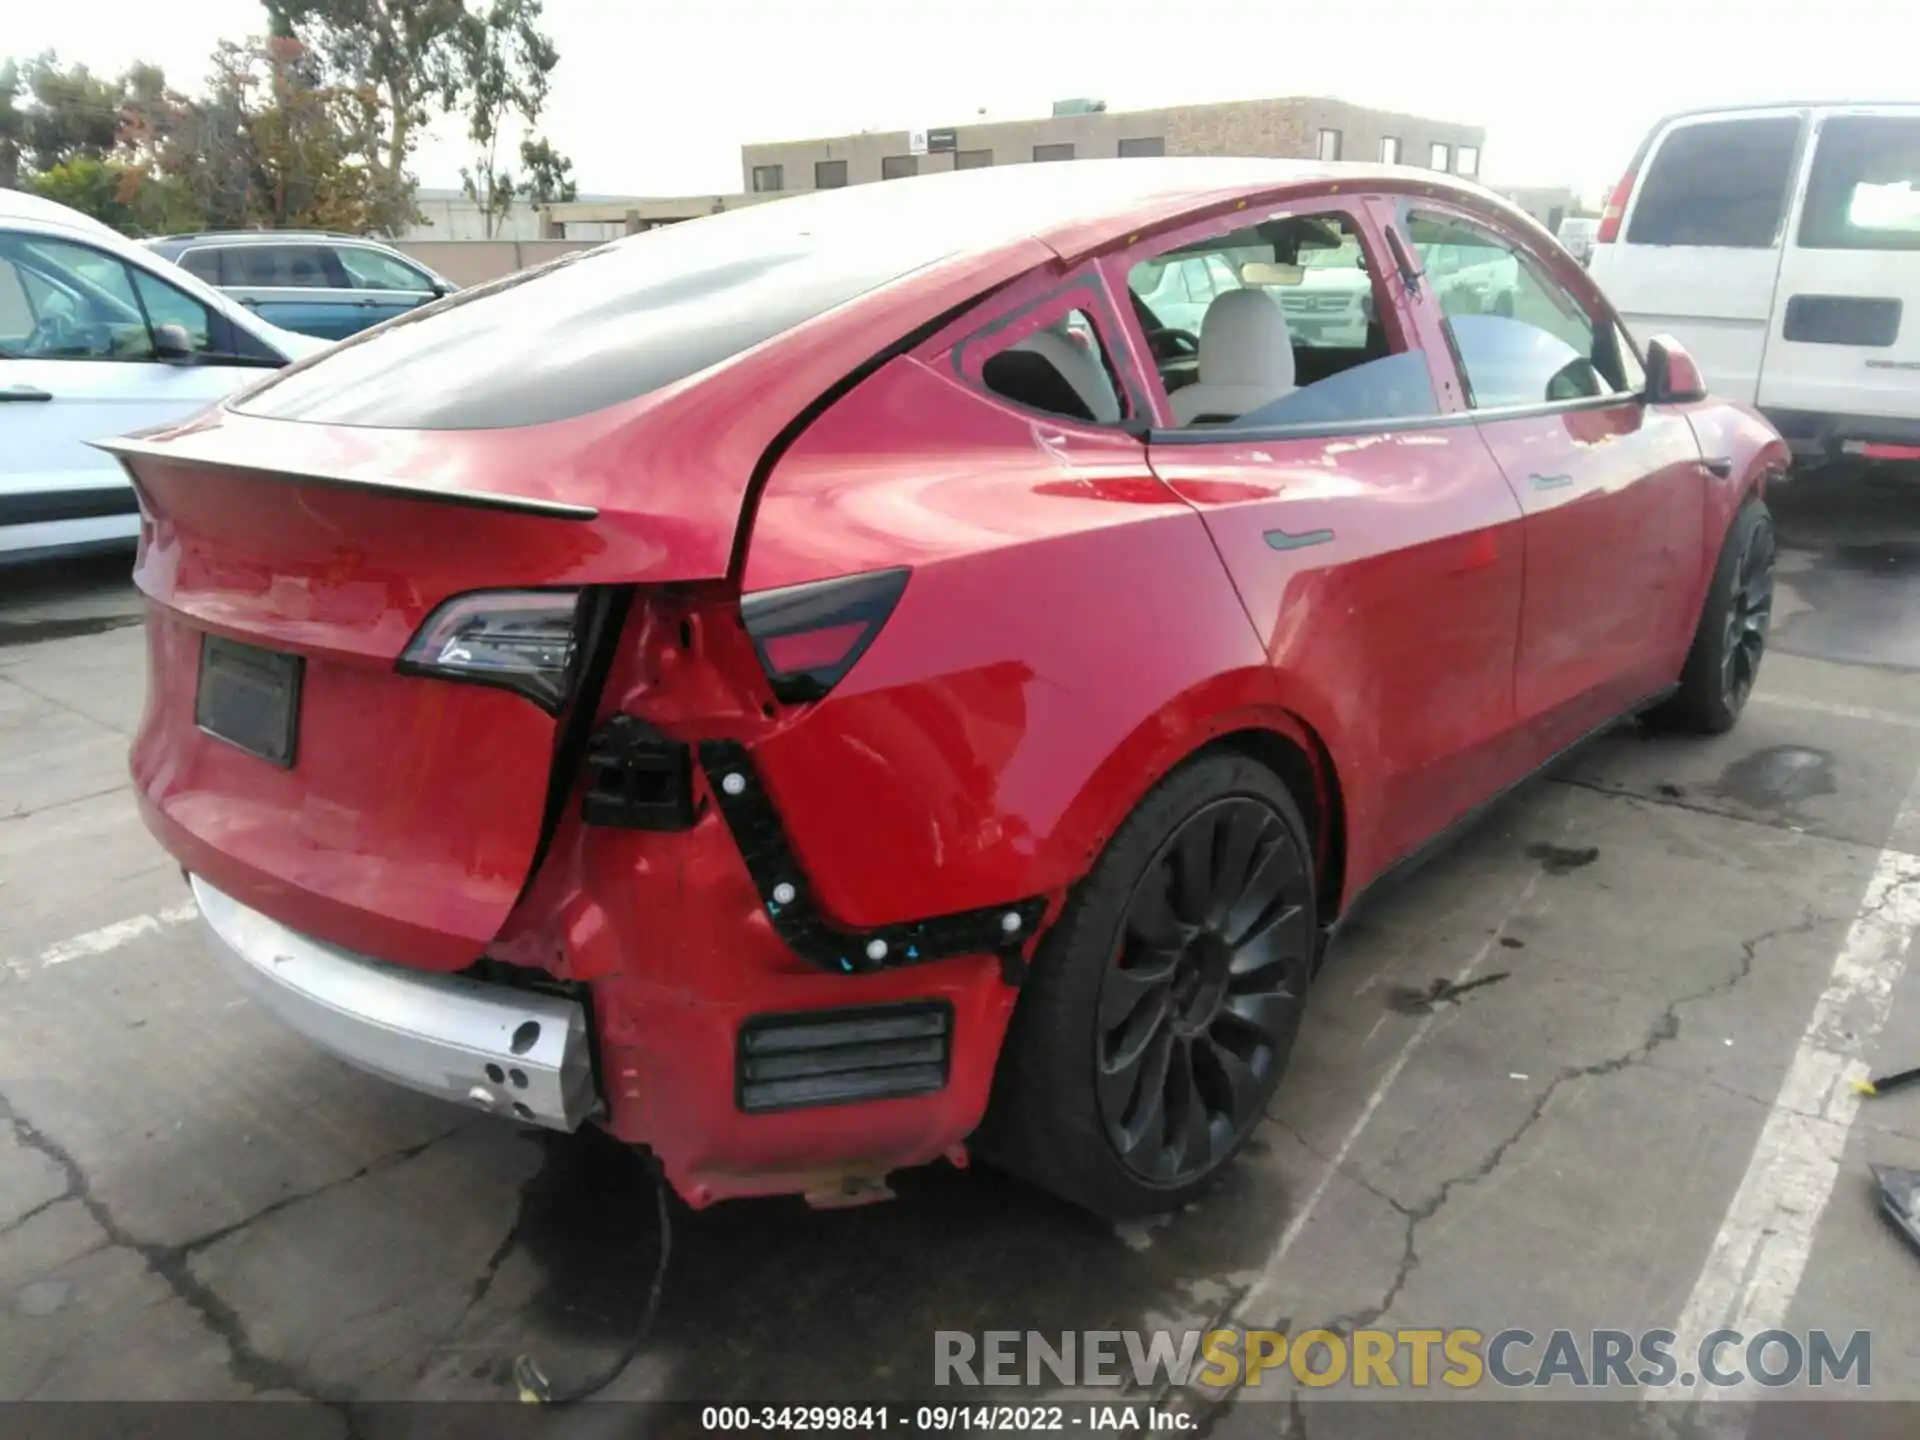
[(1576, 233), (331, 286), (1781, 243), (98, 336), (823, 716)]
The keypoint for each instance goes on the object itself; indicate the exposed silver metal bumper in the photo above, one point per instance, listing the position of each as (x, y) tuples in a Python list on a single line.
[(505, 1050)]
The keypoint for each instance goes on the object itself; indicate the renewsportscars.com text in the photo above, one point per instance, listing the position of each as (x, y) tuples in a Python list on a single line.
[(1413, 1359)]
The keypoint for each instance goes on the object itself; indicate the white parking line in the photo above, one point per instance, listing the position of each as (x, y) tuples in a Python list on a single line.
[(99, 942), (1832, 707), (1265, 1298), (1761, 1252)]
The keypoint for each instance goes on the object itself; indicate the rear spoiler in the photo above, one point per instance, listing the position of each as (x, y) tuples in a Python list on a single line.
[(126, 450)]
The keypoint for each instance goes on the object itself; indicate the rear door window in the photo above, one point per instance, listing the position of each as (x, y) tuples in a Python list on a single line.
[(204, 263), (1864, 193), (290, 267), (1717, 182), (1058, 365), (1292, 337)]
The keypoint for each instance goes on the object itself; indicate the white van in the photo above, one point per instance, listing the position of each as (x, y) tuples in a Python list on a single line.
[(1781, 245)]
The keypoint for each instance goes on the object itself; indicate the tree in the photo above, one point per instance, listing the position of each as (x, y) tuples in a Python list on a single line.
[(398, 60), (549, 173), (13, 125), (506, 62), (72, 113)]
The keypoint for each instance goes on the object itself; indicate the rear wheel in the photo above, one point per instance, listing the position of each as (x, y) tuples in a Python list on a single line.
[(1163, 1006), (1731, 639)]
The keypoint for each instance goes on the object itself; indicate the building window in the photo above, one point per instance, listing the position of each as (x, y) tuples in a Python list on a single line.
[(1466, 160), (1390, 150), (829, 174), (972, 159), (1145, 145), (899, 167), (1439, 157), (766, 178), (1329, 148), (1053, 152)]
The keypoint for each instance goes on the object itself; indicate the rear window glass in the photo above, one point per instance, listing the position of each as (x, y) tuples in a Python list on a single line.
[(204, 263), (1864, 193), (601, 326), (1720, 182)]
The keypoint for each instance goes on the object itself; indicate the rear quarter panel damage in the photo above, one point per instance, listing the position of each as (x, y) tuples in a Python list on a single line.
[(1067, 634)]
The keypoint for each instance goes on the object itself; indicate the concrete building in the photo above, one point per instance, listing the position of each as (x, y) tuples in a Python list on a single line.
[(1083, 130), (1549, 204), (450, 215)]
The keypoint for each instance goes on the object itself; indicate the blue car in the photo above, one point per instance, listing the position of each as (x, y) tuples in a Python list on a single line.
[(330, 286)]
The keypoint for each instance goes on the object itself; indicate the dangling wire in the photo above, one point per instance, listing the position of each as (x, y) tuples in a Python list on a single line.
[(534, 1386)]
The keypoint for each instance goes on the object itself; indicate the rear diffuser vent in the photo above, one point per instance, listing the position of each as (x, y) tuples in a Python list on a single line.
[(841, 1057)]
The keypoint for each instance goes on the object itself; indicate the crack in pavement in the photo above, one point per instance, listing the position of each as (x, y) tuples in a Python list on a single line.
[(45, 1205), (482, 1284), (20, 812), (1665, 1027), (1344, 1171), (1669, 802), (172, 1263)]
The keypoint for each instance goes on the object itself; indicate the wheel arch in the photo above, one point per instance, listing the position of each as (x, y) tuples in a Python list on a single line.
[(1272, 735)]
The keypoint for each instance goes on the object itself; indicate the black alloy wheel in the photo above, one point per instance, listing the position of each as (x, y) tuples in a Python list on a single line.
[(1203, 993), (1730, 638), (1749, 614), (1162, 1005)]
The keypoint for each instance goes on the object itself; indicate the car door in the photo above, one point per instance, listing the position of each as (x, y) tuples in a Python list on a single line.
[(383, 284), (79, 362), (1844, 337), (298, 286), (1613, 489), (1372, 539)]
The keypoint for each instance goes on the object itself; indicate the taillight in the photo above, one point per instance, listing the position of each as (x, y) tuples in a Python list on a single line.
[(519, 640), (1610, 218), (808, 636)]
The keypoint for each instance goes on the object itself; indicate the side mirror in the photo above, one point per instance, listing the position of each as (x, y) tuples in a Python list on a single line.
[(1672, 377), (173, 344)]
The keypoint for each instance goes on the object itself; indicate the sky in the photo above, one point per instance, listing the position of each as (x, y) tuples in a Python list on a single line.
[(656, 99)]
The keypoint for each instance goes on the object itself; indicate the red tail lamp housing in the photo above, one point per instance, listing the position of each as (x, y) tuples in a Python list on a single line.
[(809, 636), (1616, 210)]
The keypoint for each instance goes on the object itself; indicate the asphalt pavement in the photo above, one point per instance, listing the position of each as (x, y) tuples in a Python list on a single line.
[(1643, 1124)]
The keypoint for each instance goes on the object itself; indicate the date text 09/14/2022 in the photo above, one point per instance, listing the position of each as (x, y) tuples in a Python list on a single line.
[(938, 1419)]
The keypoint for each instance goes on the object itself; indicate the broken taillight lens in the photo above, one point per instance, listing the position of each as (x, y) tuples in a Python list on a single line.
[(809, 636), (518, 640)]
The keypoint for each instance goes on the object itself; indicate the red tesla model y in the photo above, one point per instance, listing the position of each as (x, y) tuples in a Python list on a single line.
[(919, 666)]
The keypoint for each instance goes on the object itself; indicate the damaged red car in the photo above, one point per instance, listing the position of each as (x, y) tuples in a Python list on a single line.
[(847, 682)]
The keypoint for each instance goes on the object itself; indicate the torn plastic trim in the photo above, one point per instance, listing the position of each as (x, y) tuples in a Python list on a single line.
[(1001, 930)]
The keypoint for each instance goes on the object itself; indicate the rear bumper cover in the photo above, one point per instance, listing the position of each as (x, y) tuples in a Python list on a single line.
[(512, 1052)]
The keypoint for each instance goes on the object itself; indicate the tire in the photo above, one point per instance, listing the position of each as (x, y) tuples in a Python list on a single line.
[(1161, 1008), (1724, 660)]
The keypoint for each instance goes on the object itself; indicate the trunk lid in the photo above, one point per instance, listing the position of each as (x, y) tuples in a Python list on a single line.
[(404, 813)]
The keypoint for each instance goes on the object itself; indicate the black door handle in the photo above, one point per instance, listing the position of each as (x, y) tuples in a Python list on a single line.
[(1721, 465), (1549, 482), (24, 393)]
